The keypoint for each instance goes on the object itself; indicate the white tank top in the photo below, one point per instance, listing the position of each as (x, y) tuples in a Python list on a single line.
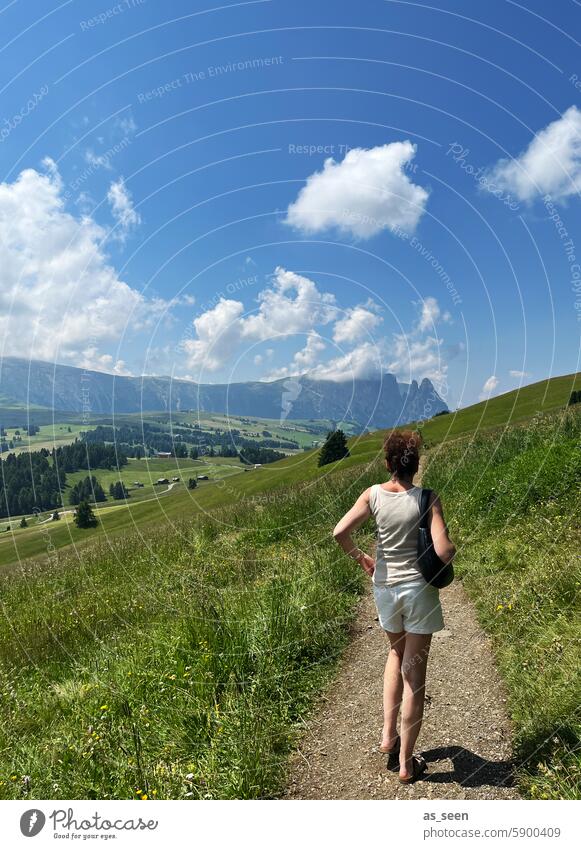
[(397, 516)]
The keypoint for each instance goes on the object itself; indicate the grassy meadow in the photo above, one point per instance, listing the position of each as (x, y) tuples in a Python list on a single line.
[(174, 650), (176, 664), (513, 506)]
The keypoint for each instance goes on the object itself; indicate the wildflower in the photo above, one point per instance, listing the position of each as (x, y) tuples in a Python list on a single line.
[(144, 797), (104, 707), (499, 606)]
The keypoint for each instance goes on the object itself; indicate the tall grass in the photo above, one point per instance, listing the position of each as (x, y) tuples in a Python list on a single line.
[(176, 664), (512, 501)]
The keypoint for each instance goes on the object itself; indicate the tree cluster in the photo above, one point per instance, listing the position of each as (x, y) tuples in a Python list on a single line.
[(118, 491), (28, 480), (88, 489)]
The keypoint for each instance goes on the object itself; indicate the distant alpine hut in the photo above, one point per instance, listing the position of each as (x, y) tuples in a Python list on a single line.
[(203, 477), (162, 480), (163, 455)]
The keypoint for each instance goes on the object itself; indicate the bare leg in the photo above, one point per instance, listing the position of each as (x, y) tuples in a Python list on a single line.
[(392, 688), (413, 670)]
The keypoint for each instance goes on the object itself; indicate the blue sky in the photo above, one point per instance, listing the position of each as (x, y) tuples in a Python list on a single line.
[(254, 190)]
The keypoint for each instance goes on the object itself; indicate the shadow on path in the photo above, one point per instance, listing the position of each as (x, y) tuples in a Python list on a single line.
[(468, 768)]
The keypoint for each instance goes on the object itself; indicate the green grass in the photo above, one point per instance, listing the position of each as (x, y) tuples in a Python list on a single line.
[(176, 664), (142, 663), (148, 471), (180, 503), (512, 504), (517, 406)]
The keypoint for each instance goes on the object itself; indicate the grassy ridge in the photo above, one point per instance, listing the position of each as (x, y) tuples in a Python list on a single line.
[(512, 504), (509, 408), (175, 665)]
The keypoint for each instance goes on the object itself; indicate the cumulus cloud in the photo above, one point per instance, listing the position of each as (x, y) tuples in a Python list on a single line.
[(355, 323), (294, 306), (365, 193), (291, 305), (122, 209), (489, 387), (304, 361), (218, 334), (364, 361), (59, 292), (551, 164)]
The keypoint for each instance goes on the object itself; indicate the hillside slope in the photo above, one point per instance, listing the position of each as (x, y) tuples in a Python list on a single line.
[(512, 501)]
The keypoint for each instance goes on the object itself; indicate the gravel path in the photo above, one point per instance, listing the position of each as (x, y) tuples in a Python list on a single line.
[(466, 735)]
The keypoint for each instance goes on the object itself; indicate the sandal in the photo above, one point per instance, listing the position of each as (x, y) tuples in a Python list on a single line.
[(419, 766)]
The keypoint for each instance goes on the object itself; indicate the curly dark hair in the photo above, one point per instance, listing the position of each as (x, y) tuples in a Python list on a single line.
[(402, 452)]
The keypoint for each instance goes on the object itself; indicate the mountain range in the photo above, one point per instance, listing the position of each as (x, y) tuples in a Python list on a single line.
[(374, 402)]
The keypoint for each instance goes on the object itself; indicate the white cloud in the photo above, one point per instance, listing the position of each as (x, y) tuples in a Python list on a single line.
[(291, 305), (97, 160), (122, 209), (489, 387), (430, 314), (305, 360), (519, 374), (367, 192), (356, 322), (218, 334), (364, 361), (59, 295), (551, 164), (90, 358)]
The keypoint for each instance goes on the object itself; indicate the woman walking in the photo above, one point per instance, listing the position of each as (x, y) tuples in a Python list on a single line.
[(408, 607)]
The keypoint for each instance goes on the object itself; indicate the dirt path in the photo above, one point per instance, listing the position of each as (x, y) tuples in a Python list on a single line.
[(466, 736)]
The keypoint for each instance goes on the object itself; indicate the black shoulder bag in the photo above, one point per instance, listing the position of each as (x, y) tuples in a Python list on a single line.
[(434, 571)]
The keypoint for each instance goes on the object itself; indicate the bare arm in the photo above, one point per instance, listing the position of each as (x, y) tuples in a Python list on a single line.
[(443, 545), (352, 520)]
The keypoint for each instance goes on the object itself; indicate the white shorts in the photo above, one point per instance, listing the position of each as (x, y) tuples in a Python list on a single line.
[(409, 606)]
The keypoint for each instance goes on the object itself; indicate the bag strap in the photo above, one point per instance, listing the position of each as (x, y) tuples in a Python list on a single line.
[(425, 508)]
